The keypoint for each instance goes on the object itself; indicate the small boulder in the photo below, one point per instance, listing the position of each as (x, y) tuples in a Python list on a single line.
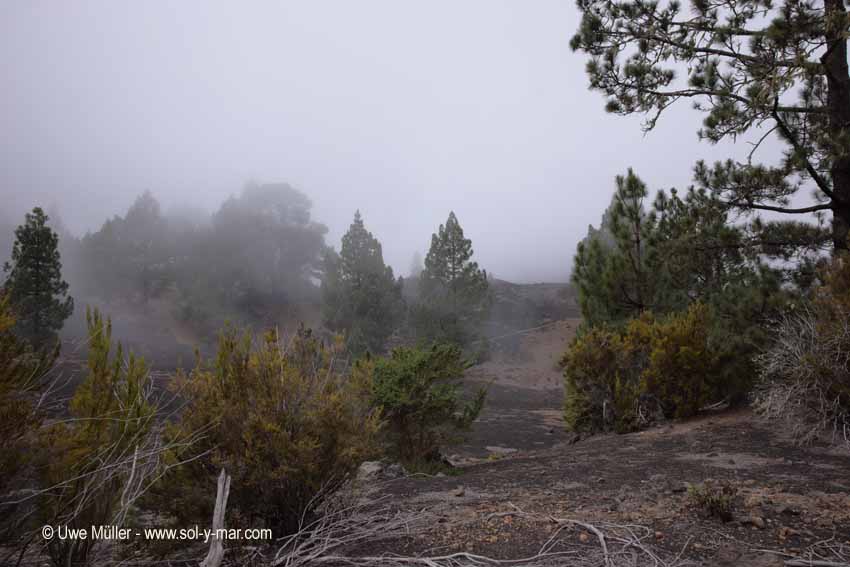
[(785, 532), (756, 521), (394, 470), (369, 470)]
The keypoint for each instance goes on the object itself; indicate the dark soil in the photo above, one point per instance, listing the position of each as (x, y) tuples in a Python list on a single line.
[(801, 496), (518, 457)]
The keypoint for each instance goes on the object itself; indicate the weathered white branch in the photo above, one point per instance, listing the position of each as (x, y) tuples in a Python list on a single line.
[(216, 552)]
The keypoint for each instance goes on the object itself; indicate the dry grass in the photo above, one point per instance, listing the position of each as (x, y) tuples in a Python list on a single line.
[(805, 377)]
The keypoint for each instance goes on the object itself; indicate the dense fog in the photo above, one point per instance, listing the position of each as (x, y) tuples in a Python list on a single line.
[(403, 112)]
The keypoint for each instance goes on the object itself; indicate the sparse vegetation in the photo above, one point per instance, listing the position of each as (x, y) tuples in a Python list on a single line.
[(713, 499)]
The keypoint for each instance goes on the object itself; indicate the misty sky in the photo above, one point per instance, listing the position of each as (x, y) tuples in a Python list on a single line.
[(404, 110)]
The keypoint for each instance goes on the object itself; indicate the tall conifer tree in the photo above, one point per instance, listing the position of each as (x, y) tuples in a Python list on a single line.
[(453, 290), (750, 67), (361, 295), (37, 292)]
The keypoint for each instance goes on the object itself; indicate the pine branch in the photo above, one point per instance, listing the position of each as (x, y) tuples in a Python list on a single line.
[(820, 181)]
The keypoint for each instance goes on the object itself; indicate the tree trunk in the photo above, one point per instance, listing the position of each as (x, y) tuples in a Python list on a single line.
[(838, 108)]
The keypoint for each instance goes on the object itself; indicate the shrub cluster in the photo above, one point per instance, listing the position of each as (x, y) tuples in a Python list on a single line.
[(282, 419), (622, 379), (289, 421), (97, 461)]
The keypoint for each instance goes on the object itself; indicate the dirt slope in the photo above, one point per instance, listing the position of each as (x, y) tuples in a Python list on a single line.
[(518, 457), (524, 395), (788, 498)]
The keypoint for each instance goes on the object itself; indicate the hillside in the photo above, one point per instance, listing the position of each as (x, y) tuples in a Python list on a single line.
[(788, 500), (518, 470)]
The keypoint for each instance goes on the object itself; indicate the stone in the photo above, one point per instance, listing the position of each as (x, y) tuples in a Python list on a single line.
[(785, 532), (758, 522), (454, 460), (369, 469), (376, 470), (394, 470)]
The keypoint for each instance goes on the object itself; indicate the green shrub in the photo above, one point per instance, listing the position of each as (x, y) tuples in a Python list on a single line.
[(622, 379), (681, 362), (284, 422), (98, 461), (713, 499), (417, 392), (22, 374), (595, 388)]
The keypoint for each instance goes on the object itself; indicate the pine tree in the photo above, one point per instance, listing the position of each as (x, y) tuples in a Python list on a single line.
[(662, 257), (361, 295), (35, 286), (453, 291), (612, 270), (781, 67), (665, 259)]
